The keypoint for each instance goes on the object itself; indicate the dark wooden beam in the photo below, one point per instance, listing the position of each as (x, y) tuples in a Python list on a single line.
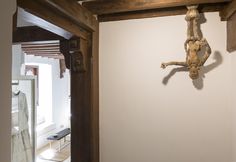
[(108, 7), (228, 10), (45, 54), (231, 33), (78, 59), (38, 44), (37, 21), (94, 48), (41, 52), (33, 33), (74, 11), (181, 10), (49, 56), (84, 96), (53, 48), (45, 17), (14, 24)]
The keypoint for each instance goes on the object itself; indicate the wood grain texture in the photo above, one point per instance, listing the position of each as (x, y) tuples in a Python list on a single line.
[(43, 49), (231, 33), (48, 19), (94, 48), (81, 110), (74, 11), (157, 12), (108, 7), (32, 34), (60, 57), (84, 101), (228, 10)]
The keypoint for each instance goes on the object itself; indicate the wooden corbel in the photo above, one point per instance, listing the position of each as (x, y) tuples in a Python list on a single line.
[(77, 58), (74, 58), (228, 13)]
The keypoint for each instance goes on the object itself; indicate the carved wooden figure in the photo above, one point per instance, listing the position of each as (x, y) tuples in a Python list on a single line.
[(193, 45)]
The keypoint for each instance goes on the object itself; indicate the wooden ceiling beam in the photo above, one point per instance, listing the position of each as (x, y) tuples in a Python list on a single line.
[(41, 44), (44, 54), (181, 10), (33, 33), (228, 10), (74, 11), (41, 52), (49, 56), (37, 13), (41, 48), (118, 6), (56, 46)]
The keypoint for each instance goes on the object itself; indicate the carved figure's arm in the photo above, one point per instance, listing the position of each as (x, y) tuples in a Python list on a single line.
[(207, 52), (164, 65)]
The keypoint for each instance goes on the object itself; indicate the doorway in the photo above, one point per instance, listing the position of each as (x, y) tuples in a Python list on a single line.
[(79, 45), (49, 101)]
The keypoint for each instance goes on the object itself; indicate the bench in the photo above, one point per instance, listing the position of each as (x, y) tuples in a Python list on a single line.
[(58, 136)]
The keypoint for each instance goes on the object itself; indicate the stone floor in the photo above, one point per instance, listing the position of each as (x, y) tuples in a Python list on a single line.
[(54, 146), (40, 160)]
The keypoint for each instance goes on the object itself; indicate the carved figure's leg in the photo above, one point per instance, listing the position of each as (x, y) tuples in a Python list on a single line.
[(164, 65), (195, 29), (189, 30), (192, 16)]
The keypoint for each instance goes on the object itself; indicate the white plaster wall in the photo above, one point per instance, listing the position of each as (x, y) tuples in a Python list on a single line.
[(146, 117), (233, 98), (17, 60), (7, 7), (60, 90)]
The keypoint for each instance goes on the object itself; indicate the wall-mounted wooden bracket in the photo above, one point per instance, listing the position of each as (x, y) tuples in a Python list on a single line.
[(231, 33), (77, 58), (77, 62), (74, 57), (228, 13), (64, 49), (228, 10)]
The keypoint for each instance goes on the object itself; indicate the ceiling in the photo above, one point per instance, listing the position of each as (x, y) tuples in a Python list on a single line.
[(105, 10), (49, 49), (113, 10)]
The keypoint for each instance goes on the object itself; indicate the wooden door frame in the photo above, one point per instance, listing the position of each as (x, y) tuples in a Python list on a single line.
[(70, 22)]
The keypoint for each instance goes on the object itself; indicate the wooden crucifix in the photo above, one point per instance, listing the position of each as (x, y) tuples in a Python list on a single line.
[(193, 45)]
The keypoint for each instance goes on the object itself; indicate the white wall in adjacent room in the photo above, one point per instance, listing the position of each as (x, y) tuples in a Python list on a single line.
[(148, 114), (59, 88), (7, 8), (17, 61)]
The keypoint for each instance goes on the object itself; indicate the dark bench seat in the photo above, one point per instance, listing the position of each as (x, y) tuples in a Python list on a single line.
[(58, 136)]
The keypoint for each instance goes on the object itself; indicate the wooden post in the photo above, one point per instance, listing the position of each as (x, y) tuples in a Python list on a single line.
[(231, 33), (95, 95), (77, 57)]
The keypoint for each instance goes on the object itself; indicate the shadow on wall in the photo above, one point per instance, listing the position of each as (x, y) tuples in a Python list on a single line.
[(198, 83)]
